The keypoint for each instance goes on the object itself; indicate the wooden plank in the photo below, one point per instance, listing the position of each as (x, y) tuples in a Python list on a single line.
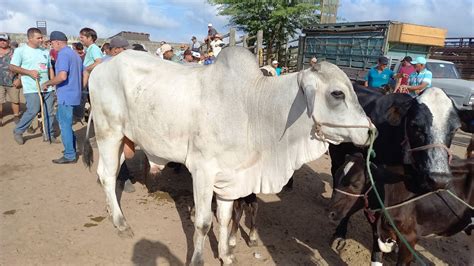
[(452, 57), (417, 34), (419, 39)]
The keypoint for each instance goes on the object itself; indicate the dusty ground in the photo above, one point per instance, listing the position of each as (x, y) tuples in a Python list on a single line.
[(55, 215)]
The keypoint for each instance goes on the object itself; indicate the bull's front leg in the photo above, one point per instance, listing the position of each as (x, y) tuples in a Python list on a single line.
[(339, 237), (203, 191), (224, 215), (110, 158), (376, 257)]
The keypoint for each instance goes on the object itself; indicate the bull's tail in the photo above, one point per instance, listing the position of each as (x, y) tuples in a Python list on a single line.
[(88, 153)]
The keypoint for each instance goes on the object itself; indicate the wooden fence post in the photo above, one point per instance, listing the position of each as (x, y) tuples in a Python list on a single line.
[(300, 62), (244, 40), (259, 50), (232, 37)]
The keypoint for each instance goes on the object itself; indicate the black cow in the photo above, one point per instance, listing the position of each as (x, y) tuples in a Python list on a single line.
[(436, 214)]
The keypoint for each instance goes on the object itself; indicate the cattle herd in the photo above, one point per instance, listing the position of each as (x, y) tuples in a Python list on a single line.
[(240, 133)]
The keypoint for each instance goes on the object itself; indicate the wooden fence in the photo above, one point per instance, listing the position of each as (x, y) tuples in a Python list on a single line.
[(460, 51)]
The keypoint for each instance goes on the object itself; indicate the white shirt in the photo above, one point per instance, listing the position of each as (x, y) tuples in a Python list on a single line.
[(216, 48)]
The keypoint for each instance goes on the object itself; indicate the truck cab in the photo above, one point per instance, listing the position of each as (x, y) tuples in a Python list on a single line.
[(447, 78)]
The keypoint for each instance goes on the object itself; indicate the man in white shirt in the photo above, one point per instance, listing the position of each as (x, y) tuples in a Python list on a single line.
[(217, 44)]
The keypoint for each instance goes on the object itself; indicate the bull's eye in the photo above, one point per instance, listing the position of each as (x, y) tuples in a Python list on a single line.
[(338, 95)]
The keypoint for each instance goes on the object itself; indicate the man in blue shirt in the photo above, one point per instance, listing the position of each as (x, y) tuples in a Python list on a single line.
[(420, 79), (68, 88), (379, 75)]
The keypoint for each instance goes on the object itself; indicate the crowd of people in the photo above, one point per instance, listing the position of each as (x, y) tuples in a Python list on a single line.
[(54, 78), (412, 77)]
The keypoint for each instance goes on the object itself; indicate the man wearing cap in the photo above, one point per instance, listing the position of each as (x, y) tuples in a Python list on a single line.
[(188, 57), (379, 75), (6, 80), (168, 54), (158, 50), (420, 79), (183, 47), (195, 45), (33, 63), (405, 71), (117, 45), (276, 67), (217, 44), (68, 82), (211, 31)]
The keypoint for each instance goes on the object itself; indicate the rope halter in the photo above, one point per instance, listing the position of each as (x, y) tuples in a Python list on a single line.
[(318, 127)]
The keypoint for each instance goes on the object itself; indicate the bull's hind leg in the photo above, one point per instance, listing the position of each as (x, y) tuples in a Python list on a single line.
[(253, 210), (224, 215), (236, 216), (110, 157)]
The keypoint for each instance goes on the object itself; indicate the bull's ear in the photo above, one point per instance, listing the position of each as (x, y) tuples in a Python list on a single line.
[(396, 112), (467, 118), (393, 116), (309, 92)]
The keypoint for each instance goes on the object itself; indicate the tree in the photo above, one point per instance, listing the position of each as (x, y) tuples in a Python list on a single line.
[(279, 19)]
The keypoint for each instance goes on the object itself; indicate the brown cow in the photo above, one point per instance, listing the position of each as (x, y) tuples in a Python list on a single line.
[(432, 213)]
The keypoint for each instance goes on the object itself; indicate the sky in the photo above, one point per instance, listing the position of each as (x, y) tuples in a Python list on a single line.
[(178, 20)]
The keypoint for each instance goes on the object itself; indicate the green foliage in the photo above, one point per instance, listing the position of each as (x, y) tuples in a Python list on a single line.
[(279, 19)]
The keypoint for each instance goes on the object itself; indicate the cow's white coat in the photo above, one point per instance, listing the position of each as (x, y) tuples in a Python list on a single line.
[(237, 131)]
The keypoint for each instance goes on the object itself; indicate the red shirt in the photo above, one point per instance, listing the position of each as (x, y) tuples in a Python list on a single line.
[(54, 54), (406, 70)]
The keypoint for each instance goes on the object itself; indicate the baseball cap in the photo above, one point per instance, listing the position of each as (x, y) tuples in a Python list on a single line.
[(383, 60), (209, 25), (119, 42), (419, 60), (274, 62), (407, 59), (57, 36), (165, 48), (4, 36), (193, 38)]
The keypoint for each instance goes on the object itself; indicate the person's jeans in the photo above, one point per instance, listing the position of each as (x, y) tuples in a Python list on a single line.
[(33, 106), (64, 116)]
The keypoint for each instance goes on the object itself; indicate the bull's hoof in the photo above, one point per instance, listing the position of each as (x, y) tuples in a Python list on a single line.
[(126, 233), (229, 260), (232, 241), (338, 244), (197, 261)]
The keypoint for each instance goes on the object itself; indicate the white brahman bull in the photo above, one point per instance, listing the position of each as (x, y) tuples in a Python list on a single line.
[(237, 131)]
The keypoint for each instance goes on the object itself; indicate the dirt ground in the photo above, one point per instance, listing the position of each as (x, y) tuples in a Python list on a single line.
[(55, 215)]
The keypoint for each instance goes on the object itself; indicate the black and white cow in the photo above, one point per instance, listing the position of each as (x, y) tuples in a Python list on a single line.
[(414, 136)]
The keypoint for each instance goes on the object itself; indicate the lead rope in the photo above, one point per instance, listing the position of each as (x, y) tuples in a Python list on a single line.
[(372, 136)]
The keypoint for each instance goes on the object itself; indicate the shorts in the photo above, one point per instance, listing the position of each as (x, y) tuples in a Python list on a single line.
[(13, 94)]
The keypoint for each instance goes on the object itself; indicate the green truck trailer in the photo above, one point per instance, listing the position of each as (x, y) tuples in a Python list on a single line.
[(355, 47)]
